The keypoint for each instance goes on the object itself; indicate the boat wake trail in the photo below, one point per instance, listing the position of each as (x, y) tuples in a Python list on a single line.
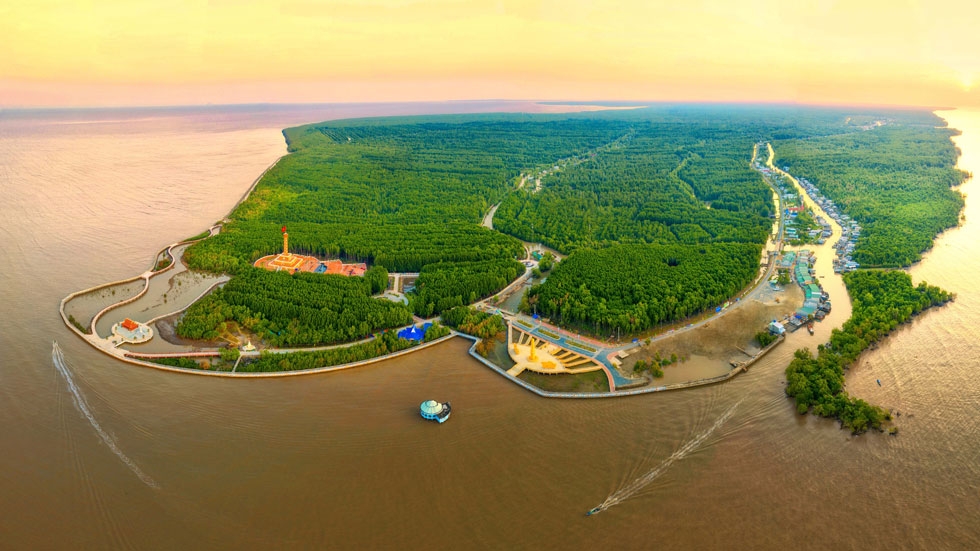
[(634, 487), (58, 358)]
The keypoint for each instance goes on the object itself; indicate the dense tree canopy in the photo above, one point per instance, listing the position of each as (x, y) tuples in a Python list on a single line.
[(665, 185), (658, 207), (403, 194), (474, 322), (893, 179), (449, 284), (633, 287), (286, 310)]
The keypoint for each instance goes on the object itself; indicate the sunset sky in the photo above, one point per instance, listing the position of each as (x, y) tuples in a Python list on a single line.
[(129, 52)]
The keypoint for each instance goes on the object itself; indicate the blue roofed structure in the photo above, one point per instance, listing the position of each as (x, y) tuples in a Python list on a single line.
[(414, 332)]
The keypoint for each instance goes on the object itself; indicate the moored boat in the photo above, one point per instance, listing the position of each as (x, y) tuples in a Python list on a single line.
[(435, 411)]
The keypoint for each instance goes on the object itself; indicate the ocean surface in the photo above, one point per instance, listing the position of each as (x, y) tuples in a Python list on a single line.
[(97, 454)]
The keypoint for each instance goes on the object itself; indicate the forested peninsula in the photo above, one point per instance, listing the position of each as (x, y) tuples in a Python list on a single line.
[(407, 194), (658, 210)]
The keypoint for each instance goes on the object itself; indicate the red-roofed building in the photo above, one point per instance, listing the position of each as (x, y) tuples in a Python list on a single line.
[(333, 266), (131, 332)]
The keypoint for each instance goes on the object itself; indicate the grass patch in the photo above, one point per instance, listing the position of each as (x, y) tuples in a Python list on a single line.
[(199, 236), (184, 363), (162, 263), (593, 381), (79, 326), (551, 334), (581, 345)]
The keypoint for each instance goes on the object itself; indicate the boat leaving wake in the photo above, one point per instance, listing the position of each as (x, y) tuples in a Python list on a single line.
[(58, 358), (634, 487)]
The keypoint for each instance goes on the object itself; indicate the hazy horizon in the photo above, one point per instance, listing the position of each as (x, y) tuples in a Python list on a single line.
[(152, 53), (613, 103)]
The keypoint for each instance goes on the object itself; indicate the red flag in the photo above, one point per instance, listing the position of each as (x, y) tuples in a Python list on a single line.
[(284, 229)]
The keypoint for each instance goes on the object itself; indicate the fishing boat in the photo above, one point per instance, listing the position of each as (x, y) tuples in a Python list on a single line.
[(809, 327), (435, 411)]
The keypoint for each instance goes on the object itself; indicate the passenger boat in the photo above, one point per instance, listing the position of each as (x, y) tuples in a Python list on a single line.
[(434, 411), (593, 511), (809, 327)]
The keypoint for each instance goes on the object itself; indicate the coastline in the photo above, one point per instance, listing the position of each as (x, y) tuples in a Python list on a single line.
[(860, 416), (127, 356), (105, 347), (621, 393), (130, 357), (252, 187), (168, 251)]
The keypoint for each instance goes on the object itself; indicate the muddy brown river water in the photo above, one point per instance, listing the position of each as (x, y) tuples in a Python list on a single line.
[(343, 460)]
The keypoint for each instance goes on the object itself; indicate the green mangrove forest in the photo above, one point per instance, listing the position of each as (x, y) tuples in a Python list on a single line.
[(896, 180), (658, 210)]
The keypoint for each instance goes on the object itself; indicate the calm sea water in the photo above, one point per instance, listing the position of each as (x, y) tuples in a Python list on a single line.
[(133, 458)]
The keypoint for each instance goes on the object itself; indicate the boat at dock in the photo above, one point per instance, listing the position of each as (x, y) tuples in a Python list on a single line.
[(435, 411)]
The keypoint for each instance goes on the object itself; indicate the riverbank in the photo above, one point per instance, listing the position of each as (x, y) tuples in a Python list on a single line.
[(583, 344), (886, 299), (611, 358), (615, 358), (741, 368), (358, 431)]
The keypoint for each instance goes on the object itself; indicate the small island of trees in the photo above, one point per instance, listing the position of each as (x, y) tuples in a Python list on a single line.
[(881, 301)]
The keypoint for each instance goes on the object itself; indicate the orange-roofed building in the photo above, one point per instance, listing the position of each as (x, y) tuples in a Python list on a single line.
[(333, 266), (354, 269), (129, 331), (288, 262)]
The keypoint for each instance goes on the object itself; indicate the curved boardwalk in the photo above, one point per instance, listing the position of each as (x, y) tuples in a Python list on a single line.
[(111, 349)]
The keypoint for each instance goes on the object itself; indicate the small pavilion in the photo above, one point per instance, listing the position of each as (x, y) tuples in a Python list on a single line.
[(129, 331)]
